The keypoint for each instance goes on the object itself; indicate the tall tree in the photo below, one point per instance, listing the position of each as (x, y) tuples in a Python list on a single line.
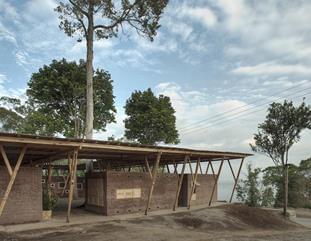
[(58, 91), (150, 119), (277, 134), (104, 18)]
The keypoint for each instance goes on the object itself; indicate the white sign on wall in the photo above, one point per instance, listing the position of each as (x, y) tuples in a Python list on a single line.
[(128, 193)]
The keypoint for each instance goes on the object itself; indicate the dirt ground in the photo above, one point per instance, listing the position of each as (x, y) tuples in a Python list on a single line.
[(228, 222)]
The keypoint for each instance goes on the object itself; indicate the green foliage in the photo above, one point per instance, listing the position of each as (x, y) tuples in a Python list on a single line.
[(49, 199), (297, 185), (56, 102), (150, 119), (281, 130), (269, 191), (11, 114), (142, 15), (247, 190)]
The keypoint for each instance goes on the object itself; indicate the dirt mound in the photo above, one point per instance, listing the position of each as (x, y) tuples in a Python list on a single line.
[(257, 217), (232, 217)]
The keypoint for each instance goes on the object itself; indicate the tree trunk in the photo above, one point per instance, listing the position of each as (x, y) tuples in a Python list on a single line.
[(285, 200), (89, 80)]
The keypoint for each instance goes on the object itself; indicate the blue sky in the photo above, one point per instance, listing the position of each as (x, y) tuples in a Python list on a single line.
[(209, 57)]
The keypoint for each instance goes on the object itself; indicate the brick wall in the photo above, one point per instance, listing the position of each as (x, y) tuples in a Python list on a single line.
[(203, 191), (127, 192), (58, 183), (25, 200)]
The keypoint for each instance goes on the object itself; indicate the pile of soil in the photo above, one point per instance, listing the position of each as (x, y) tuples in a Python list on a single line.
[(233, 217)]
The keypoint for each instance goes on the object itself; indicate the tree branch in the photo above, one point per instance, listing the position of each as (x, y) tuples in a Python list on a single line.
[(79, 8)]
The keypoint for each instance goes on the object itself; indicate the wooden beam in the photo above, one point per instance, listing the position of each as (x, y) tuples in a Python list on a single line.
[(154, 176), (72, 182), (180, 180), (148, 167), (236, 179), (91, 145), (12, 179), (6, 160), (216, 182), (194, 183)]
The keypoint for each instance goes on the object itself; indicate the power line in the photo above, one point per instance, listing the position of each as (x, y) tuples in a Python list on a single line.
[(236, 117), (242, 111), (191, 125)]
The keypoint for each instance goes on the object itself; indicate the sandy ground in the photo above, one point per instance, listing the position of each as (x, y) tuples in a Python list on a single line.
[(229, 222)]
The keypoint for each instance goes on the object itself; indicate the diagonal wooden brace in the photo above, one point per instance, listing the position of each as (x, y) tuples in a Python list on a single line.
[(194, 182), (216, 181), (72, 174), (236, 179), (148, 167), (180, 180), (12, 179), (154, 176), (6, 160)]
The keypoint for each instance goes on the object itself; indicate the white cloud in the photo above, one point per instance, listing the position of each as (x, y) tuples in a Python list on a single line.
[(203, 15), (271, 68)]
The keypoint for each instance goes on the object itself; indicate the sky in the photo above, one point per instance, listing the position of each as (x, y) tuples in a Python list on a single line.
[(220, 61)]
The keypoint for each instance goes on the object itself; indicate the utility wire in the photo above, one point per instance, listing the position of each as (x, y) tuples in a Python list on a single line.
[(222, 121), (191, 125), (242, 111)]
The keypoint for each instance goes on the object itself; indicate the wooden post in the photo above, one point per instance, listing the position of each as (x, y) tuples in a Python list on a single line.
[(180, 180), (201, 170), (148, 167), (70, 163), (73, 173), (191, 171), (12, 179), (168, 169), (194, 181), (49, 180), (216, 181), (175, 168), (236, 179), (154, 176), (6, 161), (213, 171), (207, 167)]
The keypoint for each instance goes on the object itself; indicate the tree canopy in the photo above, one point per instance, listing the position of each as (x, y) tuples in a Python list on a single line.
[(56, 101), (281, 129), (150, 119)]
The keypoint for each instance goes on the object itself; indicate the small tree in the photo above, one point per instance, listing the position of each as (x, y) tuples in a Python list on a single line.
[(247, 190), (281, 129), (150, 119), (104, 18)]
